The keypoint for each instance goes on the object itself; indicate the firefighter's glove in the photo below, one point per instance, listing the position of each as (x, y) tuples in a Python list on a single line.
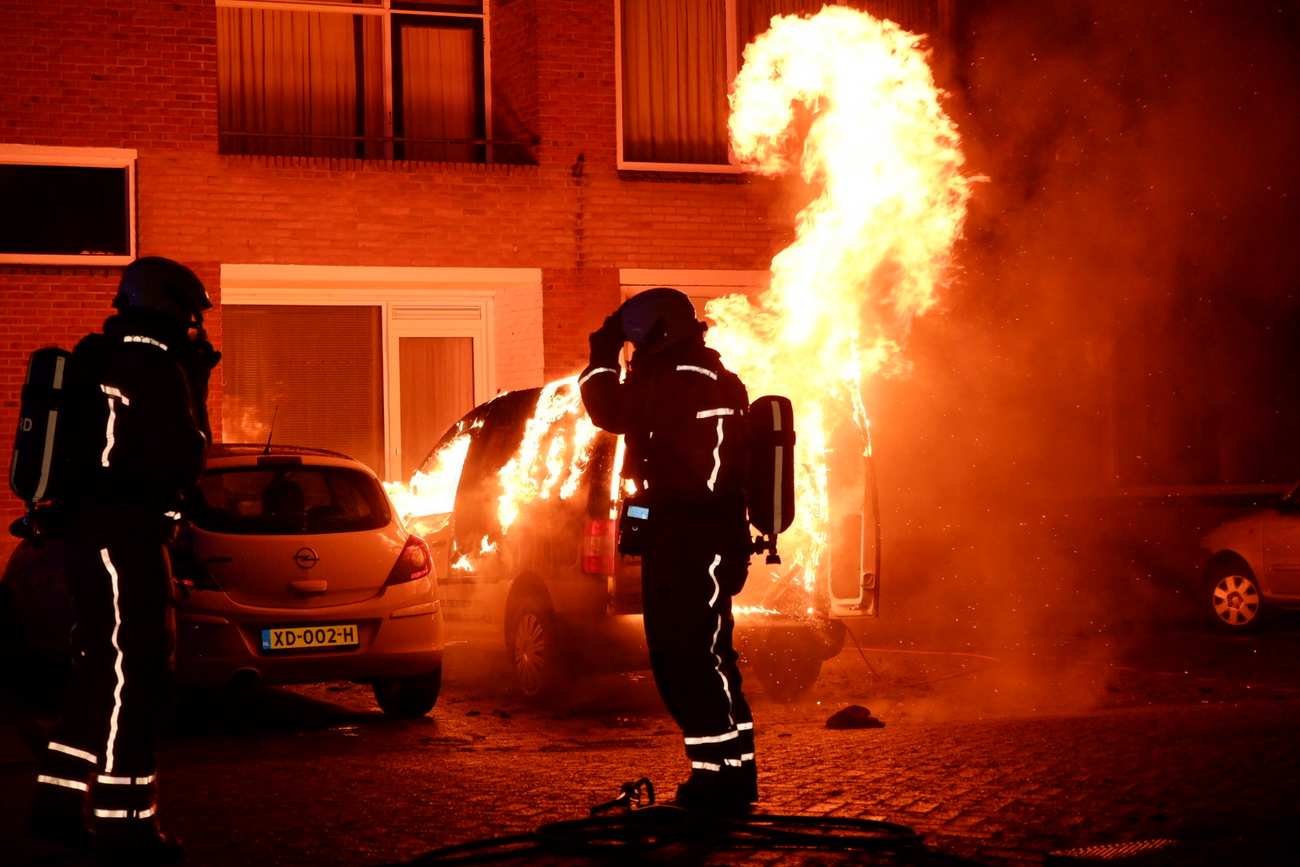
[(199, 360), (202, 354), (606, 341)]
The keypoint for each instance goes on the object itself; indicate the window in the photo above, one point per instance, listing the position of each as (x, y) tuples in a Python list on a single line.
[(374, 362), (304, 375), (381, 79), (675, 60), (292, 499), (67, 206), (700, 285)]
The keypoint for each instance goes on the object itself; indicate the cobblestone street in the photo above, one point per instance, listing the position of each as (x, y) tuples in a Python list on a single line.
[(1207, 755)]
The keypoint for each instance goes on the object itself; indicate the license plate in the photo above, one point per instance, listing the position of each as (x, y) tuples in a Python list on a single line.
[(310, 637)]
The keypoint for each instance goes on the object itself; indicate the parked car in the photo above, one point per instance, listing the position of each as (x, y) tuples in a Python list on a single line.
[(555, 590), (1253, 565), (292, 567)]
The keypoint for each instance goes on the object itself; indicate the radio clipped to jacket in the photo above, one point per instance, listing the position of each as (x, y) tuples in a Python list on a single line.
[(633, 521)]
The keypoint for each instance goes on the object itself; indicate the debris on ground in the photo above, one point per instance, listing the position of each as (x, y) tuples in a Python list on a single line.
[(855, 716)]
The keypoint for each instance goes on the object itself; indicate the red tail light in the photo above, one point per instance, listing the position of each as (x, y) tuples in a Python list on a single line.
[(598, 547), (413, 563)]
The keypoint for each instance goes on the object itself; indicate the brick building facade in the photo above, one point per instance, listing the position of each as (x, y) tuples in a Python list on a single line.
[(144, 76)]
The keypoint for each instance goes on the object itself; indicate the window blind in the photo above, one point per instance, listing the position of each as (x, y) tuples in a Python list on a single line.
[(322, 367)]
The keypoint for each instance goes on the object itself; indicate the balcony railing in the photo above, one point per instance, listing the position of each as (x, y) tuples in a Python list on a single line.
[(364, 147)]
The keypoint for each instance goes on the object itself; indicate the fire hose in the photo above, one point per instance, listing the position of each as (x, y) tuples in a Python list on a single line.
[(633, 827)]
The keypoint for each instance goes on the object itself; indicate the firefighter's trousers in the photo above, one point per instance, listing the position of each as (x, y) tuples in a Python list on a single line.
[(105, 743), (688, 577)]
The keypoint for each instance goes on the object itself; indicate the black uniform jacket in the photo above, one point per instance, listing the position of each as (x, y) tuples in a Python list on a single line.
[(134, 443), (682, 413)]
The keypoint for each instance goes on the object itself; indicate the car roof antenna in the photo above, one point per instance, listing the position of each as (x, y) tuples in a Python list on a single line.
[(271, 432)]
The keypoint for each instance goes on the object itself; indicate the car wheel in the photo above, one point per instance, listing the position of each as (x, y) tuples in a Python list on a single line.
[(533, 642), (1235, 603), (787, 663), (409, 697)]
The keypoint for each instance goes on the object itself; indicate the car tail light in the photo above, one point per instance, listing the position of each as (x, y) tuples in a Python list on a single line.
[(598, 547), (413, 563)]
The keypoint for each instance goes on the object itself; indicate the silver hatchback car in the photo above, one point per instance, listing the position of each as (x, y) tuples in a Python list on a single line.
[(295, 568), (1253, 565)]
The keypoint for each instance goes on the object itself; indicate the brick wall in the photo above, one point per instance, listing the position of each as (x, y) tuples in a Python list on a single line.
[(143, 75), (109, 74)]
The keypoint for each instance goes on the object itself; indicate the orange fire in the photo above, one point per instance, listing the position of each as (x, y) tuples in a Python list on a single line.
[(432, 492), (872, 247), (553, 455)]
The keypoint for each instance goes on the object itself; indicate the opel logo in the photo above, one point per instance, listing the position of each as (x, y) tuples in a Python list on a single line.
[(306, 558)]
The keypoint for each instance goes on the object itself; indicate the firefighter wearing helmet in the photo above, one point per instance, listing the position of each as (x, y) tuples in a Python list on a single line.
[(136, 434), (681, 413)]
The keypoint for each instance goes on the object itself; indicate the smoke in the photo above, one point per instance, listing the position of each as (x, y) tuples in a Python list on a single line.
[(1124, 316)]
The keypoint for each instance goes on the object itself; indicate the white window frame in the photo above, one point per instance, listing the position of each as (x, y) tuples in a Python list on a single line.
[(413, 302), (77, 157), (385, 9), (728, 167), (694, 281)]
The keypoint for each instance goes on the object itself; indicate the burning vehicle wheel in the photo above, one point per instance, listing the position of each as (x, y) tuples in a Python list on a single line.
[(787, 663), (533, 641), (409, 697), (1234, 598)]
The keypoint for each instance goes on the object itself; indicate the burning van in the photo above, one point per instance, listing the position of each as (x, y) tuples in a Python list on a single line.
[(519, 503), (519, 497)]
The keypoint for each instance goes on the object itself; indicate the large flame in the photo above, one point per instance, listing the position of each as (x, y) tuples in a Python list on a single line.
[(555, 451), (871, 248), (884, 162), (433, 491)]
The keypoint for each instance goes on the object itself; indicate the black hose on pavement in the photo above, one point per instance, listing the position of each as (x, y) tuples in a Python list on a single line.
[(662, 833)]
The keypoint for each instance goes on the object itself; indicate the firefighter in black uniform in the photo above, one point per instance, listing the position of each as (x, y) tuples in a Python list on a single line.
[(682, 415), (136, 434)]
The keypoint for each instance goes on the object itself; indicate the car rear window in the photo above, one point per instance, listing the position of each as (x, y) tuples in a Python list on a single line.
[(296, 499)]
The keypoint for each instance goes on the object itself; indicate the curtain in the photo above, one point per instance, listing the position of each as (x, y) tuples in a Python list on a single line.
[(290, 83), (318, 371), (437, 376), (674, 81), (439, 93), (754, 16)]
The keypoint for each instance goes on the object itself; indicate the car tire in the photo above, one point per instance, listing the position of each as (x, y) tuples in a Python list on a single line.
[(1232, 597), (533, 644), (409, 697), (787, 663)]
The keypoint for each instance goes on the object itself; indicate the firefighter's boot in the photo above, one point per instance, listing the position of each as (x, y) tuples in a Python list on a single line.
[(749, 773), (723, 792), (137, 843), (125, 822), (748, 765), (59, 803), (58, 818)]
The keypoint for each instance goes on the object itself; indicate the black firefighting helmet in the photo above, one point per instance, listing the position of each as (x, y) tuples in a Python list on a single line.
[(659, 317), (163, 286)]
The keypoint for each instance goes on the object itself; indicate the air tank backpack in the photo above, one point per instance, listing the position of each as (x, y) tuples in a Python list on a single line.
[(35, 468), (769, 486)]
